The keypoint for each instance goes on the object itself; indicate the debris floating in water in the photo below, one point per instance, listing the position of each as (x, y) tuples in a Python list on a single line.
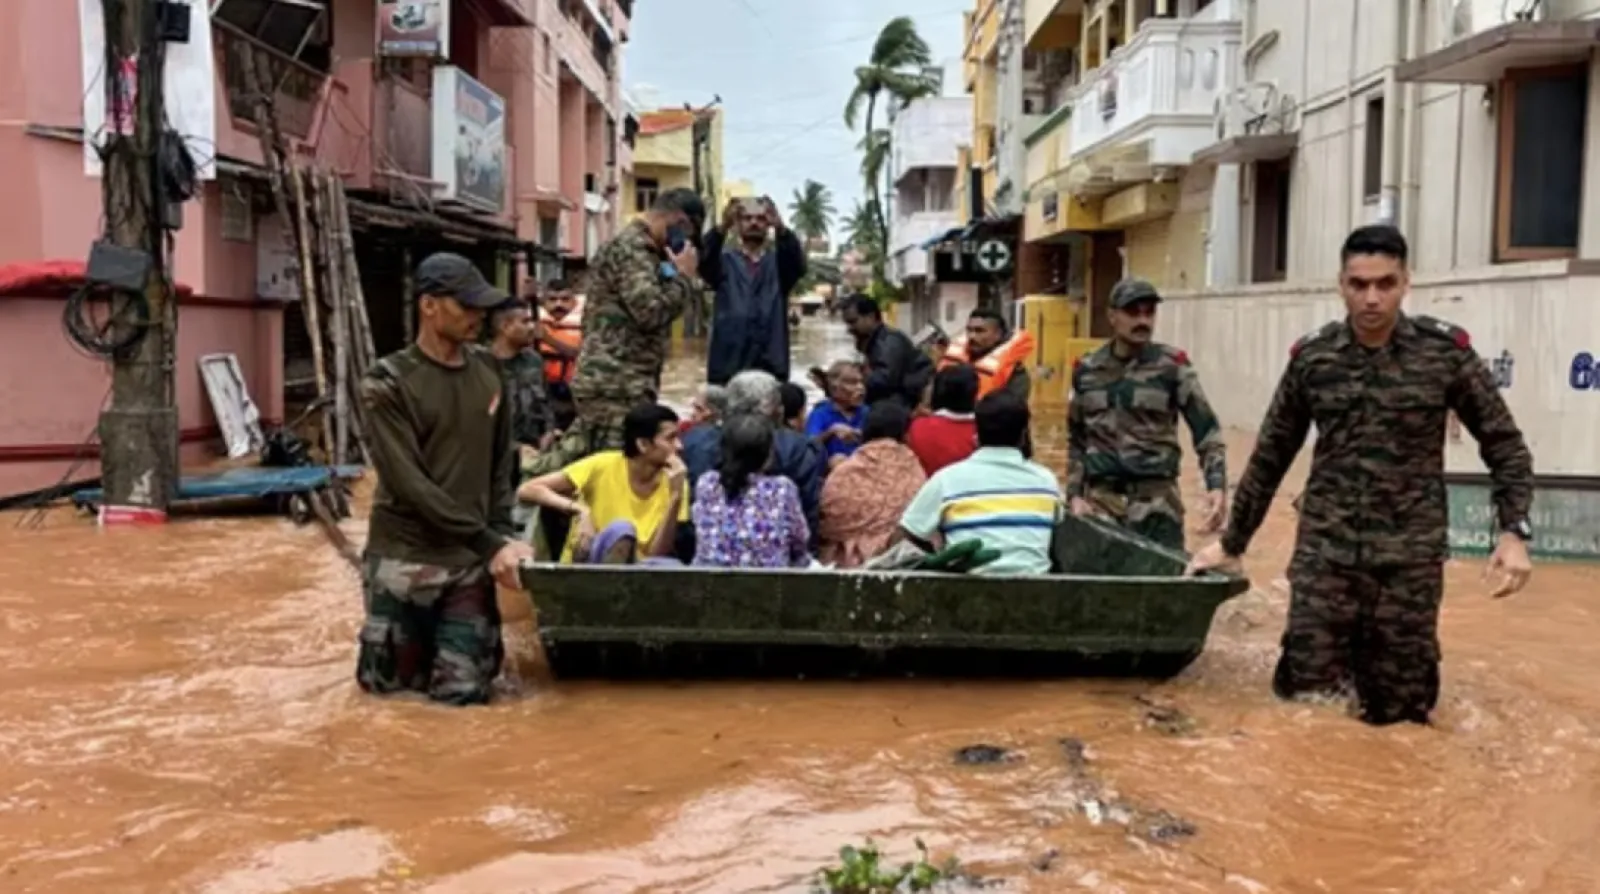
[(985, 754)]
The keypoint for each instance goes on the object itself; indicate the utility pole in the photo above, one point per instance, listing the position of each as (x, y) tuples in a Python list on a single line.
[(139, 432)]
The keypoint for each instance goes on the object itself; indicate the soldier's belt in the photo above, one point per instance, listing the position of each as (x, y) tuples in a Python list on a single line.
[(1126, 485)]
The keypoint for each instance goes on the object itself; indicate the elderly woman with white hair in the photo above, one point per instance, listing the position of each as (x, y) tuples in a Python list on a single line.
[(794, 456)]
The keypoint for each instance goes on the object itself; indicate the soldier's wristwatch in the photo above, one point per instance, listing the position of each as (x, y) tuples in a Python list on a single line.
[(1522, 529)]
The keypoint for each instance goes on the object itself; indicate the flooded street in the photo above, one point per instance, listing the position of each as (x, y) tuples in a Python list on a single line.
[(178, 713)]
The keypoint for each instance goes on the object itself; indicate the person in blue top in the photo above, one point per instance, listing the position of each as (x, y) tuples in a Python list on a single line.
[(835, 423)]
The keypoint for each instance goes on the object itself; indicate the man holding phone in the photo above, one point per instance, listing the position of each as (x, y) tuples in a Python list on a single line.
[(640, 282), (753, 277)]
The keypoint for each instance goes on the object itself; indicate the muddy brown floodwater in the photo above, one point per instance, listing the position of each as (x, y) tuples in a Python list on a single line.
[(177, 713)]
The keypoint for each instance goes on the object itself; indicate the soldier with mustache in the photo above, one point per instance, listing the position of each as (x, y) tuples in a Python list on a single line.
[(1123, 453)]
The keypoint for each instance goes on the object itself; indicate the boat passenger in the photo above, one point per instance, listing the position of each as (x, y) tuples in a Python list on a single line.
[(560, 333), (835, 423), (794, 406), (794, 456), (895, 368), (998, 355), (625, 504), (947, 434), (745, 517), (866, 494), (996, 496), (710, 404)]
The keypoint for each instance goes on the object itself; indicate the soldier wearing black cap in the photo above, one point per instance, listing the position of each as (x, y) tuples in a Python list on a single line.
[(1123, 453), (439, 429)]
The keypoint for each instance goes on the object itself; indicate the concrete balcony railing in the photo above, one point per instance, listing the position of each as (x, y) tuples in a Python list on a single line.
[(1160, 90)]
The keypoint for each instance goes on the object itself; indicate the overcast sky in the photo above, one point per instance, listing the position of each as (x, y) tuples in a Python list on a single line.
[(783, 69)]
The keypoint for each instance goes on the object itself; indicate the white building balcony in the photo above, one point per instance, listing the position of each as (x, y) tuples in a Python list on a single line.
[(1153, 104), (908, 233), (927, 134)]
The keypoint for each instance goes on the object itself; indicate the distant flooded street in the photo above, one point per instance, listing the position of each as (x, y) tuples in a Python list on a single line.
[(178, 713)]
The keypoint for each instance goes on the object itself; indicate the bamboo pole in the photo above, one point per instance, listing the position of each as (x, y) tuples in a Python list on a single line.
[(363, 327), (308, 296), (279, 170), (340, 329)]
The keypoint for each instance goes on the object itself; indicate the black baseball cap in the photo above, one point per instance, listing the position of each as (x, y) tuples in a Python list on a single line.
[(1132, 291), (449, 275)]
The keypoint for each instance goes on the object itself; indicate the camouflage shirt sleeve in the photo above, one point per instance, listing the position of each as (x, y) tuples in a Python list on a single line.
[(1203, 427), (651, 300), (1077, 437), (1283, 433), (1483, 412)]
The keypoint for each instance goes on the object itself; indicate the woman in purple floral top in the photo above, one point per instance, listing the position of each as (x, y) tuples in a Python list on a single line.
[(743, 518)]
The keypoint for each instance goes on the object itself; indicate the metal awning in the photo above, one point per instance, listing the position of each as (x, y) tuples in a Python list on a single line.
[(946, 236), (1484, 58), (1248, 148)]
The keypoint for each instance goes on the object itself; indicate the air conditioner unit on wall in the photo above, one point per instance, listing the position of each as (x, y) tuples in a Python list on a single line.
[(1254, 108)]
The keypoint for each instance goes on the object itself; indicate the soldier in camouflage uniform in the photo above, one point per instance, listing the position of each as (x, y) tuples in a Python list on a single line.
[(533, 422), (439, 431), (1123, 453), (1367, 573), (639, 283)]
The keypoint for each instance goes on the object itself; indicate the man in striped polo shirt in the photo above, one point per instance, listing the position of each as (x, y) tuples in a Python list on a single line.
[(997, 495)]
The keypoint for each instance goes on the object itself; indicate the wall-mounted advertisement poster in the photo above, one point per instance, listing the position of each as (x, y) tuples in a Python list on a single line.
[(414, 28), (469, 141)]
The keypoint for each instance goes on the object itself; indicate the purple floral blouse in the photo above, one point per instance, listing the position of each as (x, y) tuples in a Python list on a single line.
[(764, 528)]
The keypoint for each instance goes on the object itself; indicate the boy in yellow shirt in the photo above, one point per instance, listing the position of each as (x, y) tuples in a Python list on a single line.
[(626, 504)]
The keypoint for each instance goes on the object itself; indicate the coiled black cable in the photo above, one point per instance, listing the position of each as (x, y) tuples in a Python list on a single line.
[(118, 336)]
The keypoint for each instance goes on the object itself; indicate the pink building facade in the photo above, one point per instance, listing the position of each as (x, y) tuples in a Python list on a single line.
[(553, 63)]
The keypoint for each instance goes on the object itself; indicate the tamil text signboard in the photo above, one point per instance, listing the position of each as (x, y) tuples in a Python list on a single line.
[(414, 28), (469, 141)]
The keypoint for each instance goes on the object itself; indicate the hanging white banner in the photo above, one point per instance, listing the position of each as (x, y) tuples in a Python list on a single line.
[(189, 82)]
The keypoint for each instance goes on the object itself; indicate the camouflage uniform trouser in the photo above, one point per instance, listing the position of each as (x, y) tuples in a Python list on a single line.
[(1373, 631), (598, 427), (1152, 509), (429, 629)]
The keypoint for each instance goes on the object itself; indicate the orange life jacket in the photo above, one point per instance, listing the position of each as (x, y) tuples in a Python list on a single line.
[(567, 331), (994, 369)]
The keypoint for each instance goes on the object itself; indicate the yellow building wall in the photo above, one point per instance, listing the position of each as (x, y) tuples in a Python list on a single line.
[(672, 149), (1146, 244), (735, 189), (1058, 326)]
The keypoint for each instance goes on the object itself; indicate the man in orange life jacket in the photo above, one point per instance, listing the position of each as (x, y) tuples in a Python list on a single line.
[(558, 338), (560, 331), (998, 356)]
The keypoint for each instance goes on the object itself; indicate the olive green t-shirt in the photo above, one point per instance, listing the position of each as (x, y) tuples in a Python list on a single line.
[(440, 438)]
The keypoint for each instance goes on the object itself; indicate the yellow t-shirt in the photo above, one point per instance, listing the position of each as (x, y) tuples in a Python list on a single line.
[(602, 483)]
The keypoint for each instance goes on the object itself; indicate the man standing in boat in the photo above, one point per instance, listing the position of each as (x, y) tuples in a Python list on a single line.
[(998, 356), (560, 332), (752, 278), (533, 424), (1123, 453), (639, 283), (1367, 575), (439, 430), (896, 370)]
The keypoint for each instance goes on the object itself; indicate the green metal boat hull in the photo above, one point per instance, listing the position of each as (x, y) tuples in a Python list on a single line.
[(1120, 607)]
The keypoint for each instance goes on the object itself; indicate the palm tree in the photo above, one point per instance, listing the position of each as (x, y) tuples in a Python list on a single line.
[(811, 210), (860, 229), (896, 68)]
